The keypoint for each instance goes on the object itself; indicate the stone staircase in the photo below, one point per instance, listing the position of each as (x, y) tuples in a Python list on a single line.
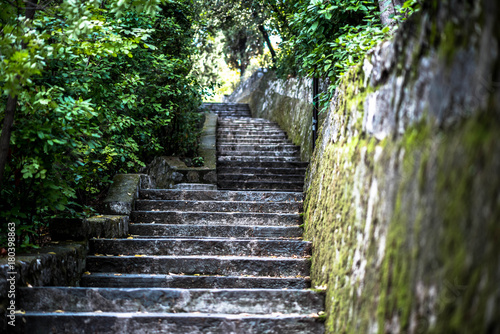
[(255, 154), (199, 261)]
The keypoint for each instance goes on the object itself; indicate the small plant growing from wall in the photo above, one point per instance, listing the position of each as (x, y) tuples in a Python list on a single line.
[(198, 162)]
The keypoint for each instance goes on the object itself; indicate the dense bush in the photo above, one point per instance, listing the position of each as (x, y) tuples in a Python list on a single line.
[(106, 97)]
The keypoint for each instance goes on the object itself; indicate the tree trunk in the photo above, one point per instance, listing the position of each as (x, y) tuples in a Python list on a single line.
[(387, 9), (268, 42), (10, 110)]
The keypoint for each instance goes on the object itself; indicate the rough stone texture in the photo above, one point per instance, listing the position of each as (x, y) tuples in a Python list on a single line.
[(207, 265), (225, 301), (144, 323), (403, 200), (122, 194), (194, 281), (104, 226), (288, 103), (166, 172), (57, 264), (216, 218), (219, 231), (403, 191), (197, 246)]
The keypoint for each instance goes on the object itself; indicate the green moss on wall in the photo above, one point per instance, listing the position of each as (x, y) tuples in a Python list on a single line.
[(440, 262)]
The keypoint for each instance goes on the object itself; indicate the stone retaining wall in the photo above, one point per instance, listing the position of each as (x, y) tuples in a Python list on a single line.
[(403, 190)]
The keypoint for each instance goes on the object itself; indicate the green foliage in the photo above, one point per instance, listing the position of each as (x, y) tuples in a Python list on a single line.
[(329, 37), (198, 162), (325, 38), (403, 12), (100, 91), (238, 22)]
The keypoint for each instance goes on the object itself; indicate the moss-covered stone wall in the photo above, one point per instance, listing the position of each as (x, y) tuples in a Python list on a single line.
[(403, 190)]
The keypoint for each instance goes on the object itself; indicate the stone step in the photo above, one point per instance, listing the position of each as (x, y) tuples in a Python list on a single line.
[(217, 218), (250, 132), (163, 194), (245, 158), (261, 185), (233, 136), (226, 106), (170, 300), (248, 120), (192, 281), (262, 164), (195, 186), (174, 323), (261, 171), (238, 113), (245, 140), (249, 127), (203, 265), (168, 230), (246, 126), (218, 206), (211, 246), (263, 154), (257, 147), (223, 177)]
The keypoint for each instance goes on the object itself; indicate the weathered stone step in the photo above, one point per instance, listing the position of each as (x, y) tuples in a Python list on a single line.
[(244, 140), (206, 265), (261, 185), (233, 114), (251, 132), (233, 136), (249, 127), (174, 323), (167, 230), (247, 120), (226, 106), (195, 186), (218, 206), (192, 281), (162, 194), (256, 147), (170, 300), (245, 158), (217, 218), (261, 171), (262, 164), (263, 154), (210, 247), (222, 177)]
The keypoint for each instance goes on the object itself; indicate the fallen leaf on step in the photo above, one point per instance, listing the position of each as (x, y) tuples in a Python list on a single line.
[(130, 238), (19, 312), (98, 311), (29, 285), (138, 255), (87, 273), (51, 253), (117, 274), (59, 311)]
